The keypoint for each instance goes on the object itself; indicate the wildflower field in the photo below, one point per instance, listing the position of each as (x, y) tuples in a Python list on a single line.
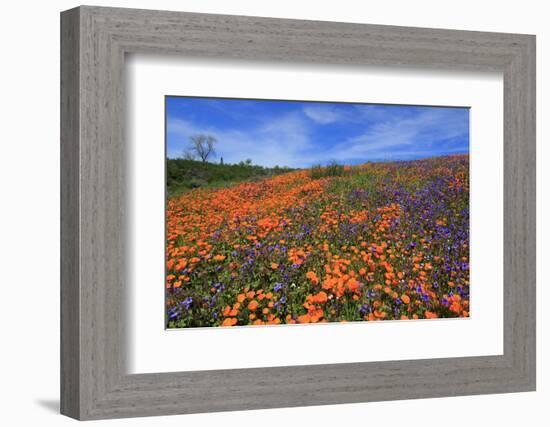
[(378, 241)]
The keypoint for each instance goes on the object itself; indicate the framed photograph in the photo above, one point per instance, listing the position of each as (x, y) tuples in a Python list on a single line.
[(261, 213)]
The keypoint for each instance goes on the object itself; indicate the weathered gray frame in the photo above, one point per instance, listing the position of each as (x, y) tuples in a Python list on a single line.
[(94, 41)]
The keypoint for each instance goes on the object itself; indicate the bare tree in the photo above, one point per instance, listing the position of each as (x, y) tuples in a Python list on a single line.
[(202, 145)]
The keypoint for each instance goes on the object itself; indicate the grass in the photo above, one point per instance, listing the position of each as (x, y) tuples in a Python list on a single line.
[(183, 175)]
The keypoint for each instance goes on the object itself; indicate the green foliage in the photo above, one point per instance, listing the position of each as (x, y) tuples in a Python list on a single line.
[(332, 169), (185, 174)]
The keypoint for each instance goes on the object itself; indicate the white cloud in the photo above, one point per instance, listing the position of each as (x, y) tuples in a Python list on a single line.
[(399, 137), (283, 141), (322, 114)]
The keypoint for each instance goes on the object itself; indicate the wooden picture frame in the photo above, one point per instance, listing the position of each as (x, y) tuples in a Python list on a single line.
[(94, 382)]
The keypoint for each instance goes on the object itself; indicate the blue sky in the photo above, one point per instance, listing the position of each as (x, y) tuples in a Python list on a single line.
[(300, 134)]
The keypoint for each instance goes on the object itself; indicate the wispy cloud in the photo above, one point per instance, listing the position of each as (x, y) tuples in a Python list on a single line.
[(322, 114), (283, 141), (399, 136)]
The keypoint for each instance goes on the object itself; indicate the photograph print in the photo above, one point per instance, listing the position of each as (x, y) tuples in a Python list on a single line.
[(300, 212)]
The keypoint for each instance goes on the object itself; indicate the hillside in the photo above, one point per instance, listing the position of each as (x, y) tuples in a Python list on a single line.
[(378, 241), (183, 175)]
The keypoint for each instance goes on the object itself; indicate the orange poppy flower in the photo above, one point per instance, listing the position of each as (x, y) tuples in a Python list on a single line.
[(230, 321), (321, 297), (430, 315), (312, 277), (304, 318)]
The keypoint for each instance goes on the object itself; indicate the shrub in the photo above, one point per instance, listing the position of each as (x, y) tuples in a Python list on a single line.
[(332, 169)]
